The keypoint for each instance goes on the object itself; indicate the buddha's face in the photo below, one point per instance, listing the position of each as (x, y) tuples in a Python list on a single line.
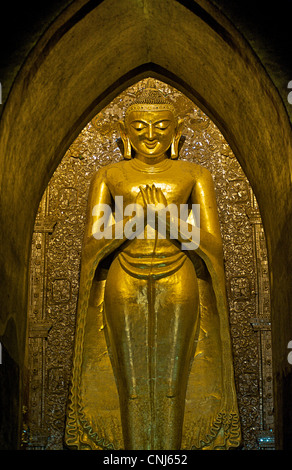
[(151, 132)]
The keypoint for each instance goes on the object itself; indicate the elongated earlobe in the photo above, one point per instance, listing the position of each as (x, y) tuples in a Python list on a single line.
[(174, 149), (127, 149), (126, 142), (175, 141)]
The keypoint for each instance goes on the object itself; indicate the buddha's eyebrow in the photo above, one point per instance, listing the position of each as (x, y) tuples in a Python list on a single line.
[(139, 120)]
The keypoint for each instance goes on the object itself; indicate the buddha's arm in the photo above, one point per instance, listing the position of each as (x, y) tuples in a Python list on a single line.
[(203, 193), (205, 240), (100, 244), (206, 237)]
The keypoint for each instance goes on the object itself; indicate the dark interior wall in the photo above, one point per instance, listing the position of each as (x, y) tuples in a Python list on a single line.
[(26, 22), (265, 26), (89, 53)]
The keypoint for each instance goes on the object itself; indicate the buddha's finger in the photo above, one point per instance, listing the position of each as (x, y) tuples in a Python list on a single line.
[(144, 196), (160, 196), (148, 193), (155, 194)]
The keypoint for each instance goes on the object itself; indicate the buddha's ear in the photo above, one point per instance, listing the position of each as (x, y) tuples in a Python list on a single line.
[(174, 149), (126, 141), (179, 128), (122, 128)]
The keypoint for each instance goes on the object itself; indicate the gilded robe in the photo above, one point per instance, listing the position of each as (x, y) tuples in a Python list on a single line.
[(211, 419)]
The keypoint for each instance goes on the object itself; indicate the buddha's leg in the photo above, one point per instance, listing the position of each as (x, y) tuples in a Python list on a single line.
[(126, 314), (176, 305), (151, 329)]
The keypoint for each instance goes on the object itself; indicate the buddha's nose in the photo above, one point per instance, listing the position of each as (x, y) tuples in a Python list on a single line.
[(150, 132)]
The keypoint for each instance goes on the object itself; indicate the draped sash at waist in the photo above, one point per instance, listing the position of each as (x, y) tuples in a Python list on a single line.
[(154, 266)]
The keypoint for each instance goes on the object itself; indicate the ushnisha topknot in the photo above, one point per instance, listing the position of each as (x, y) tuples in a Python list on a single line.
[(151, 99)]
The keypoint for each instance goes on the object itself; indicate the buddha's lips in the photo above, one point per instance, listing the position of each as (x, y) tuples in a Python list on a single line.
[(151, 145)]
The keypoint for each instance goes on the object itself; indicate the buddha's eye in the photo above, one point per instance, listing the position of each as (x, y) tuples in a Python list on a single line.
[(138, 126), (162, 125)]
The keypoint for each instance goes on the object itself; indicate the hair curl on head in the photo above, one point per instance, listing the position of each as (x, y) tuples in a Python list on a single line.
[(151, 99)]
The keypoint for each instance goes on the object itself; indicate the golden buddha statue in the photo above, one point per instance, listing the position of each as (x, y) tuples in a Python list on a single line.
[(152, 365)]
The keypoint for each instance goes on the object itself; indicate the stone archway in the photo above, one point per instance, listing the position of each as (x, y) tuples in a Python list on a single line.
[(89, 54)]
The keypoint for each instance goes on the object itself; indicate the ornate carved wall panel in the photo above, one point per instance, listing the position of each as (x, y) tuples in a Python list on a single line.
[(55, 263)]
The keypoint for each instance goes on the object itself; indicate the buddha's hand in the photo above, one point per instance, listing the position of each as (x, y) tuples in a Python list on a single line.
[(153, 202), (152, 196)]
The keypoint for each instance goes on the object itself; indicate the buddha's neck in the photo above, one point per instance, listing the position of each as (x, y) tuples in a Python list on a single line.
[(150, 160)]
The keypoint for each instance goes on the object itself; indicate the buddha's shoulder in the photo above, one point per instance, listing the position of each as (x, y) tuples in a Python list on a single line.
[(192, 168), (106, 171)]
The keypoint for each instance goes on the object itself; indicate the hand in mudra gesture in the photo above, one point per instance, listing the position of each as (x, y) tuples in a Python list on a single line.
[(154, 196), (154, 203)]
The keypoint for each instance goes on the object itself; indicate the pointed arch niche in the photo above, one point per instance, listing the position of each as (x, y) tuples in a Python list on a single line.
[(55, 263)]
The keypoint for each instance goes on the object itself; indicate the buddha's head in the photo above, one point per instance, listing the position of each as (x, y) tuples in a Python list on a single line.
[(151, 127)]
